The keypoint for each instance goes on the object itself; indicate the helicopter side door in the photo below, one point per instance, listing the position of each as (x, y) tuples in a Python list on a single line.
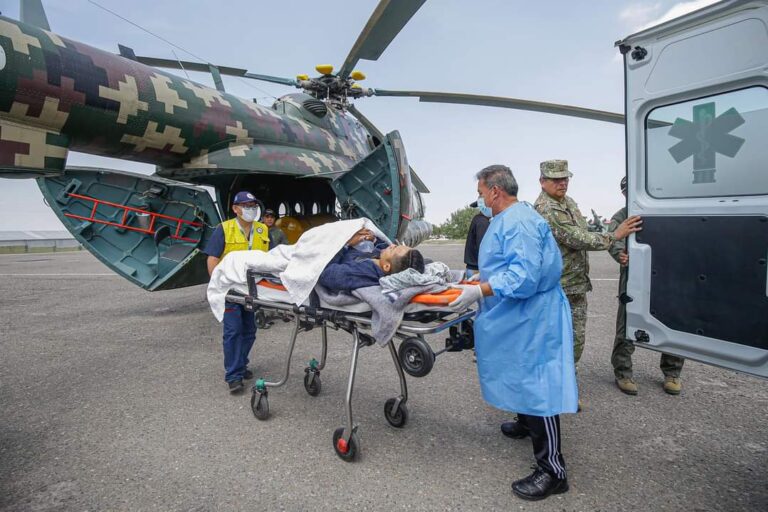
[(379, 187), (149, 230), (697, 119)]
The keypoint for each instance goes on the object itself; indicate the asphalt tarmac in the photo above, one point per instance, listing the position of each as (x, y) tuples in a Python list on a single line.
[(113, 398)]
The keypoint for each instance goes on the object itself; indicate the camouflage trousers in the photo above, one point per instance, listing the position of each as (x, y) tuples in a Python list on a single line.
[(621, 357), (578, 303)]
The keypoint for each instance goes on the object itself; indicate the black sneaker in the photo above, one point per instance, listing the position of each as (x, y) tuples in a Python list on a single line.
[(247, 375), (236, 386), (538, 485), (515, 430)]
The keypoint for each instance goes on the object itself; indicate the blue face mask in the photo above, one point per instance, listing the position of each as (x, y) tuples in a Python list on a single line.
[(365, 246), (485, 210)]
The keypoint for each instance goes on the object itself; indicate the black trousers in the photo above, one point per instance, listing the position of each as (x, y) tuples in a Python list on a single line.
[(545, 434)]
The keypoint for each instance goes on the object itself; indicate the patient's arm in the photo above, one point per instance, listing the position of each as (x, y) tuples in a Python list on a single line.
[(350, 276)]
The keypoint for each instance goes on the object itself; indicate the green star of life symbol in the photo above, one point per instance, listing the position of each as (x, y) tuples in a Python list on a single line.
[(704, 138)]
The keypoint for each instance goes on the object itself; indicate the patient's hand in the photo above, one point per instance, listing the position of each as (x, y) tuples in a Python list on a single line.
[(363, 234)]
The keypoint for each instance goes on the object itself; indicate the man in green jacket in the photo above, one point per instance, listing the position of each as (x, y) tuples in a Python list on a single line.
[(574, 239), (621, 357)]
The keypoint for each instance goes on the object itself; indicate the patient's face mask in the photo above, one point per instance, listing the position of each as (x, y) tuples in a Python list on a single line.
[(365, 246), (249, 214)]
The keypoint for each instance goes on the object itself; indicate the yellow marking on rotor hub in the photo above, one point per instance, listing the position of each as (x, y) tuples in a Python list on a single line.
[(324, 69), (357, 75), (302, 77)]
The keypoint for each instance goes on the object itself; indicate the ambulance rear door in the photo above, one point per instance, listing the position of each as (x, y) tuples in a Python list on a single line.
[(697, 161)]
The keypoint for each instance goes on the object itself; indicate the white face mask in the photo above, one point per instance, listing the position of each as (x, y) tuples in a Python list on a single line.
[(249, 214)]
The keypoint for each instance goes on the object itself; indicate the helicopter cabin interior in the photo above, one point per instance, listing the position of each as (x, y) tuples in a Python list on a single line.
[(299, 203)]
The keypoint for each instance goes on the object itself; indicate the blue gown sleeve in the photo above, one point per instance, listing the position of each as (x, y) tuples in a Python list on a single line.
[(523, 253)]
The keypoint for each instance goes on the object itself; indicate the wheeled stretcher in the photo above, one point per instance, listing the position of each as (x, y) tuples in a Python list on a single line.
[(425, 314)]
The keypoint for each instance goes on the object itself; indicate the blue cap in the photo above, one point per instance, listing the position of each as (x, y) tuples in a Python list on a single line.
[(244, 197)]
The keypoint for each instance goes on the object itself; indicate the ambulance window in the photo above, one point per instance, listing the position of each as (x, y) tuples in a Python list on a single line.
[(709, 147)]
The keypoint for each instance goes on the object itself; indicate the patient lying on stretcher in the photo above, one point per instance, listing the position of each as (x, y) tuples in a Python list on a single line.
[(364, 260)]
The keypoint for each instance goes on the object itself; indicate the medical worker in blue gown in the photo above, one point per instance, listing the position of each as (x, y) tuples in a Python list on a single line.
[(523, 333)]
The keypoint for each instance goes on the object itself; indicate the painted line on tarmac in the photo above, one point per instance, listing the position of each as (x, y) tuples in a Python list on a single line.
[(56, 275)]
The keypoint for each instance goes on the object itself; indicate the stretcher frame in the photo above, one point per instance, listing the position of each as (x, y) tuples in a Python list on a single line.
[(415, 354)]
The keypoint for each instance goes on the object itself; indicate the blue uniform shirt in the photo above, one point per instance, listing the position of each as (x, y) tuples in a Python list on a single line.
[(215, 245)]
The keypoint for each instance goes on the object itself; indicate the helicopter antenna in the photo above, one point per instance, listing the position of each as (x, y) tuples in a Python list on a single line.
[(180, 64), (249, 84)]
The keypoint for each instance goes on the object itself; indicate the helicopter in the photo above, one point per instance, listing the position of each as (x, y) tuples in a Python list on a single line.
[(312, 155), (693, 119)]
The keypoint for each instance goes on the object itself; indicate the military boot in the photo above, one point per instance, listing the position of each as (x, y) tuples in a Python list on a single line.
[(627, 385), (672, 385)]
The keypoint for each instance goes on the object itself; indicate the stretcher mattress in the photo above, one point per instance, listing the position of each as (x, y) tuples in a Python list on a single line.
[(274, 291)]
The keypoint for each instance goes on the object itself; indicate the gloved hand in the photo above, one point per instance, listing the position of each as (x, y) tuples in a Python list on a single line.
[(474, 277), (470, 294)]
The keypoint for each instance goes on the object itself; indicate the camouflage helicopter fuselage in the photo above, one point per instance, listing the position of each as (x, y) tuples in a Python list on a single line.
[(58, 95)]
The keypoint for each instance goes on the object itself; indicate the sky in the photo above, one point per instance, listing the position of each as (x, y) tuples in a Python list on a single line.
[(555, 51)]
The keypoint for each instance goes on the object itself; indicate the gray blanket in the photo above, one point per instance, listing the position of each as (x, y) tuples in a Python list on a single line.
[(387, 309)]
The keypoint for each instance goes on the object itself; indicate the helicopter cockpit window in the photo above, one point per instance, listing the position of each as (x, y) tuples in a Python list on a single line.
[(709, 147)]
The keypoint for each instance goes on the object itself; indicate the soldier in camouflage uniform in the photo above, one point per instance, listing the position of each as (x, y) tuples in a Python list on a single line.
[(570, 230), (621, 357)]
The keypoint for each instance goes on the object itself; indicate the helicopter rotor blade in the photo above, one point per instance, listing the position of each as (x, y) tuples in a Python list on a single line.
[(420, 185), (387, 20), (205, 68), (502, 102)]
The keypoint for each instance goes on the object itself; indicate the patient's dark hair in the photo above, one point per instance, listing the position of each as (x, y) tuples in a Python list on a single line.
[(411, 259)]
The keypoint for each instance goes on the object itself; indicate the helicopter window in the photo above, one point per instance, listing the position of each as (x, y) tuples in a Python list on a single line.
[(315, 208), (298, 208), (708, 147), (282, 210)]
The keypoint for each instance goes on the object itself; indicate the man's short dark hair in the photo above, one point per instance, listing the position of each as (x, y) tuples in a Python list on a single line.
[(499, 176), (411, 259)]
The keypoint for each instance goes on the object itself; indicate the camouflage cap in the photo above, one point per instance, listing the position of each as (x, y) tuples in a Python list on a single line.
[(555, 169)]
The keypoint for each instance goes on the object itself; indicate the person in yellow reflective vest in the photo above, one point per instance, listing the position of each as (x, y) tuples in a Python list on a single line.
[(242, 233)]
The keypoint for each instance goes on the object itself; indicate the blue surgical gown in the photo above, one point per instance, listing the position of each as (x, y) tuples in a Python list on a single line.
[(523, 333)]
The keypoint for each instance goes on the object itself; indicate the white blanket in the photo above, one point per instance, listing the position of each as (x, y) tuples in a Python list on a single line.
[(299, 266)]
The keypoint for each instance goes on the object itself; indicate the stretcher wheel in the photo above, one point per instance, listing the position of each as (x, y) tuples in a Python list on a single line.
[(416, 357), (260, 405), (312, 382), (346, 451), (397, 418)]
